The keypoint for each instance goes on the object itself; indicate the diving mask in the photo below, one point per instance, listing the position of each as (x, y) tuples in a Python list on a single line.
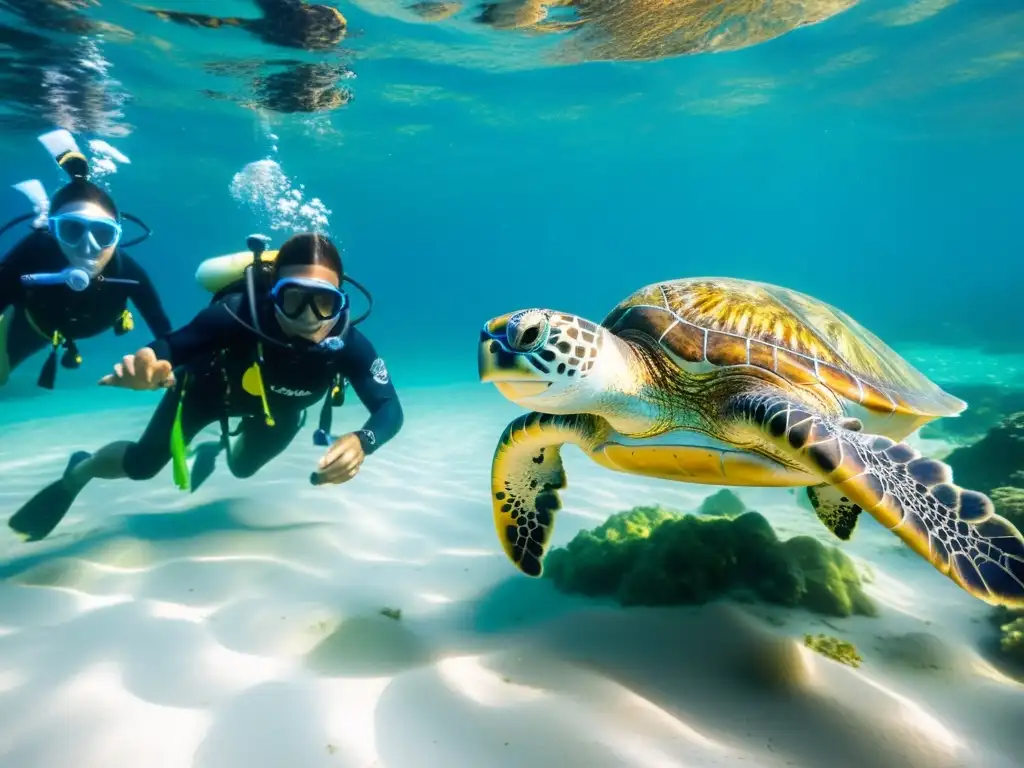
[(71, 229), (291, 296)]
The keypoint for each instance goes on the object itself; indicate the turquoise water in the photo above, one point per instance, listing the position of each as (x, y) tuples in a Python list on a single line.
[(868, 160), (871, 160)]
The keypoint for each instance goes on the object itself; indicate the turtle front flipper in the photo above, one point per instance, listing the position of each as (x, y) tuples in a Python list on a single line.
[(526, 476), (955, 529)]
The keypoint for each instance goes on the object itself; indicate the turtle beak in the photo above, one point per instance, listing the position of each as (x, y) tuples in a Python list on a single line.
[(510, 372)]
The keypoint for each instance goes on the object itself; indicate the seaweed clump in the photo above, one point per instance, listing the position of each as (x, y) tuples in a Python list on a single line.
[(1010, 624), (652, 556), (993, 465), (724, 502), (834, 648)]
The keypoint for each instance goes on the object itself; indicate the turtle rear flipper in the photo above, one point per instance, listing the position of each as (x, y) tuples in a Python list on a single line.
[(955, 529), (834, 509), (526, 476)]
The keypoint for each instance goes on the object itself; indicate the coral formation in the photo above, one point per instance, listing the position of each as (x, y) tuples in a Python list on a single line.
[(834, 648), (652, 556)]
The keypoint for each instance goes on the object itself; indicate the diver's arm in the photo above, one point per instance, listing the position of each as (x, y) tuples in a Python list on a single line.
[(212, 330), (368, 375), (146, 299)]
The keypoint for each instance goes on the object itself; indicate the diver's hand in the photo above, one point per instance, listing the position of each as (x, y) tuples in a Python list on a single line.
[(342, 461), (140, 371)]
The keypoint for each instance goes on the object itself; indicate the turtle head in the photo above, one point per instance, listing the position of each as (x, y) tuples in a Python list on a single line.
[(541, 359)]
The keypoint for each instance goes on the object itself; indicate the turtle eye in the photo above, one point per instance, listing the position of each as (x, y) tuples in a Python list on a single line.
[(528, 332)]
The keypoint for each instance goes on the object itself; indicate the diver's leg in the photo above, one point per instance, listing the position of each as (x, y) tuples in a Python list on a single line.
[(144, 458), (18, 341), (257, 444), (139, 461)]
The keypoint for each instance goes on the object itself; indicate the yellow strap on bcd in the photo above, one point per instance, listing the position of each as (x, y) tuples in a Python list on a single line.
[(252, 382)]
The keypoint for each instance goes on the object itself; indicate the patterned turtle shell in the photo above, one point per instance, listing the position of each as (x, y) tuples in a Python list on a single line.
[(732, 322)]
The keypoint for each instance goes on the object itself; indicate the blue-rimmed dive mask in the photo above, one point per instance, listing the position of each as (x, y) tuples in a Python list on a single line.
[(82, 237), (82, 231)]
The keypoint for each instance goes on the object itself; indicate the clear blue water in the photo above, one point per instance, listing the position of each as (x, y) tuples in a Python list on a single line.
[(872, 160), (868, 160)]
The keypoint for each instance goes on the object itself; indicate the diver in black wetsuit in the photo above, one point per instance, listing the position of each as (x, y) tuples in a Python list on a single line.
[(267, 369), (71, 281)]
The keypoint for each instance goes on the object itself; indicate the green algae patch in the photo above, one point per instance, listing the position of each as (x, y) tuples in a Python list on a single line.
[(652, 556), (834, 648)]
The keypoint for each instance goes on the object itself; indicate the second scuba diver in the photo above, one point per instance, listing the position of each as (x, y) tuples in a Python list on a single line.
[(263, 355), (71, 280)]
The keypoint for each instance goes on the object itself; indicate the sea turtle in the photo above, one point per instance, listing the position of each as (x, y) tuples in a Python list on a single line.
[(732, 382)]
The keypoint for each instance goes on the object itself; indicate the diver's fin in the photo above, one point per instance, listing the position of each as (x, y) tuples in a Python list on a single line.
[(34, 190), (101, 147), (46, 509), (58, 142), (835, 510), (205, 461)]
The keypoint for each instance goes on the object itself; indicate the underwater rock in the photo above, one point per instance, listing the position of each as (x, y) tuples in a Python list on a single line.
[(651, 556), (995, 461), (724, 503)]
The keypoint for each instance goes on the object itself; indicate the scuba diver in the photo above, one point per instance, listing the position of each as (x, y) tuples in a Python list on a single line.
[(70, 279), (269, 346), (286, 23)]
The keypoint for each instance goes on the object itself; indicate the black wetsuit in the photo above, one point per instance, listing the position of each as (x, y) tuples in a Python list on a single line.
[(76, 315), (210, 356)]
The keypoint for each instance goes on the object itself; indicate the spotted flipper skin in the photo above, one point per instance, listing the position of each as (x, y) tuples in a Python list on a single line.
[(526, 476), (955, 529)]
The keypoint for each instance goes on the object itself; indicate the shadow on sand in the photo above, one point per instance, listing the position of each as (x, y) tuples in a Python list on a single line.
[(219, 516)]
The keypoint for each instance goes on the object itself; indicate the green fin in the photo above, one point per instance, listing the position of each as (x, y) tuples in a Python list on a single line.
[(178, 451), (835, 510)]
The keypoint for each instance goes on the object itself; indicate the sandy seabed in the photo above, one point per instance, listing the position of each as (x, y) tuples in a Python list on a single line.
[(242, 627)]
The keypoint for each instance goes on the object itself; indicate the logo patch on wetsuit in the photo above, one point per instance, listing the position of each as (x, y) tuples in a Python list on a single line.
[(290, 392), (379, 371)]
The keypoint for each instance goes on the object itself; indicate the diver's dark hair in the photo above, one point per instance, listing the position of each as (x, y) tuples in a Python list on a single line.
[(80, 189), (309, 248)]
